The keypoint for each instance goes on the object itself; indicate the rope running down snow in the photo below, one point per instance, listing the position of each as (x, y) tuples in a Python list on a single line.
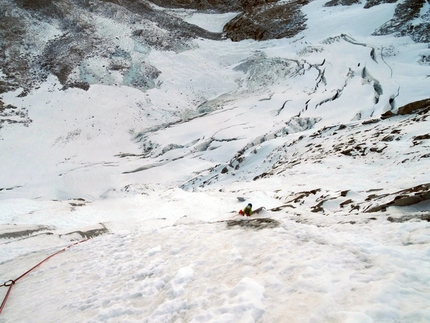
[(11, 282)]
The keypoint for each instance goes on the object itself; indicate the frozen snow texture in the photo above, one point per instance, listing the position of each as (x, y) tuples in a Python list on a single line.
[(291, 125)]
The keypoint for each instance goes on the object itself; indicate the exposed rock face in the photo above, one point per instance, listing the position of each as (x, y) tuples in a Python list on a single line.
[(341, 2), (408, 21), (414, 106), (42, 37), (372, 3), (13, 61), (270, 21), (10, 114), (256, 224), (406, 197), (422, 106), (220, 6)]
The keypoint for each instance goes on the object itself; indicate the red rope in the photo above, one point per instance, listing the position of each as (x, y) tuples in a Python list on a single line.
[(10, 283)]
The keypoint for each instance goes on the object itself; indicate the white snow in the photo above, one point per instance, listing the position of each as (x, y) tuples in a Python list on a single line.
[(85, 163), (210, 21)]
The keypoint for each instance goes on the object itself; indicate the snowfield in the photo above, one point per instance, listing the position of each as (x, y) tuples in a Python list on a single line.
[(171, 258), (301, 128)]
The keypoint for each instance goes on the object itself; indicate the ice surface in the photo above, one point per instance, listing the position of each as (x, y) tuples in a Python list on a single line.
[(114, 157)]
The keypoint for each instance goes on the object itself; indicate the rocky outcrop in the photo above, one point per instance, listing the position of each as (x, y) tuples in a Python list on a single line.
[(409, 217), (9, 231), (341, 2), (408, 20), (10, 114), (62, 38), (213, 5), (254, 223), (414, 106), (324, 202), (269, 21), (405, 197), (372, 3), (40, 38), (421, 106), (16, 232)]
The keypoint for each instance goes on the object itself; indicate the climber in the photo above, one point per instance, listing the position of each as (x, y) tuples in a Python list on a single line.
[(247, 210)]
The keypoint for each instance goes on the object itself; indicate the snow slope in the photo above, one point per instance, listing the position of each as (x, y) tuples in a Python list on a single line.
[(290, 125)]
